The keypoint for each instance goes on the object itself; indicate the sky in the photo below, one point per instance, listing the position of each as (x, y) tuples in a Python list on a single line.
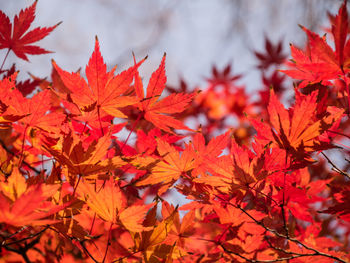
[(195, 34)]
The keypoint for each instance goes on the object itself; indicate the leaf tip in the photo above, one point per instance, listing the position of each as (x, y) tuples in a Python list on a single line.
[(301, 26)]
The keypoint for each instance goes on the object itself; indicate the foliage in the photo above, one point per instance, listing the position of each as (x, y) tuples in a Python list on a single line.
[(74, 189)]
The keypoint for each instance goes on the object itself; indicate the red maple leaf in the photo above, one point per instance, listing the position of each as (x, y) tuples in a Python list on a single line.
[(298, 129), (273, 55), (155, 110), (14, 36)]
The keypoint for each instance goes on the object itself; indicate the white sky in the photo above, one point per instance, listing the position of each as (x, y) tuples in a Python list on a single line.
[(195, 34)]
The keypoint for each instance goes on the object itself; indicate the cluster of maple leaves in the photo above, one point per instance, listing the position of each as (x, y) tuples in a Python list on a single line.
[(75, 188)]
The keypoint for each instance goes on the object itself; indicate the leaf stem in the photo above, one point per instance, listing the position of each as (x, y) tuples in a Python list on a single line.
[(99, 119), (3, 62), (131, 131), (87, 251), (108, 242), (21, 158), (76, 186)]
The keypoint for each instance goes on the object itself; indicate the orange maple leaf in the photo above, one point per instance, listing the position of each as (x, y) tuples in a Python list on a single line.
[(239, 169), (110, 204), (79, 160), (21, 205), (32, 112), (171, 167), (104, 91), (8, 112), (204, 154)]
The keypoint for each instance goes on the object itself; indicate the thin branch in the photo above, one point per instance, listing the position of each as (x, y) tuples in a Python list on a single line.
[(124, 257), (336, 168), (24, 239), (23, 250), (76, 186), (339, 133), (265, 261), (3, 62), (276, 233), (20, 252), (108, 242), (284, 200), (87, 251), (13, 234)]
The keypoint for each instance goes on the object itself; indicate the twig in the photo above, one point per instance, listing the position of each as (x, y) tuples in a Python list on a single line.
[(23, 239), (264, 261), (3, 62), (20, 252), (339, 133), (284, 200), (87, 251), (335, 168), (276, 233), (76, 186), (108, 242)]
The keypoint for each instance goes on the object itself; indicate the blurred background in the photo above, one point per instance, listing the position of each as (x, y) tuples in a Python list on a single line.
[(194, 34)]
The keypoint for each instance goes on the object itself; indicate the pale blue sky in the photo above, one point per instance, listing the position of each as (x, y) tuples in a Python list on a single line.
[(195, 34)]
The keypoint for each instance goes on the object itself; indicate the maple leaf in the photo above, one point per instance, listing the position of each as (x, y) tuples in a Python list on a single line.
[(104, 91), (147, 143), (341, 206), (32, 112), (109, 203), (25, 87), (171, 167), (311, 69), (297, 131), (224, 77), (206, 153), (241, 168), (320, 63), (154, 110), (14, 36), (16, 185), (339, 30), (8, 112), (151, 240), (79, 160), (180, 231), (273, 55), (22, 205)]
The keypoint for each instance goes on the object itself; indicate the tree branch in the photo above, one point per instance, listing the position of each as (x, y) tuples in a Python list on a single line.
[(335, 168)]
